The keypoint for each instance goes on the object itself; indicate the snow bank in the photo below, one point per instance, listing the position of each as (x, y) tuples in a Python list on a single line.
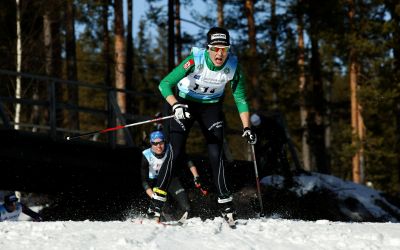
[(371, 199)]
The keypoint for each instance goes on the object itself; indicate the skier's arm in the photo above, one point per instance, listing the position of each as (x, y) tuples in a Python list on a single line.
[(239, 95), (192, 168), (172, 79), (245, 118), (26, 210), (144, 173), (196, 177)]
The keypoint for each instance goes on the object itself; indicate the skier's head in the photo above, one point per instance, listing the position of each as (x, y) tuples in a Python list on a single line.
[(157, 141), (218, 36), (10, 202), (11, 198), (255, 120), (218, 45)]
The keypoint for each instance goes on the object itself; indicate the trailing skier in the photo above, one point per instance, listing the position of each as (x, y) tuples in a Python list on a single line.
[(152, 159), (12, 209)]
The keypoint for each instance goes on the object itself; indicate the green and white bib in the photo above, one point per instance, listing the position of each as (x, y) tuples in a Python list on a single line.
[(203, 83)]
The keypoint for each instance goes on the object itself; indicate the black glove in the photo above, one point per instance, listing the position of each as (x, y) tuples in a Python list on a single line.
[(181, 111), (197, 184), (250, 136)]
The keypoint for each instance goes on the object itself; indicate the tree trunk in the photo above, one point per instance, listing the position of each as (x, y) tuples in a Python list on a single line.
[(171, 42), (253, 67), (392, 5), (396, 52), (178, 36), (274, 55), (47, 42), (356, 119), (328, 115), (171, 58), (106, 44), (52, 43), (302, 89), (70, 46), (120, 61), (316, 114), (107, 70), (220, 13), (18, 90), (129, 57)]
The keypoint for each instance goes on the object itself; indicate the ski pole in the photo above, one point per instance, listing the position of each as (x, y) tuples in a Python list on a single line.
[(257, 181), (203, 191), (118, 127)]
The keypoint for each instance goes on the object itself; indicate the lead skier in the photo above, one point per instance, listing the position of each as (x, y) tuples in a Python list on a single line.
[(201, 80)]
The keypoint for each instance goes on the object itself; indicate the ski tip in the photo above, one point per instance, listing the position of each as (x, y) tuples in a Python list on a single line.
[(184, 217), (170, 223)]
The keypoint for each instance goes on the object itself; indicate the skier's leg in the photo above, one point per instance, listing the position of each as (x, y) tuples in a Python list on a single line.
[(179, 194), (212, 126), (179, 130)]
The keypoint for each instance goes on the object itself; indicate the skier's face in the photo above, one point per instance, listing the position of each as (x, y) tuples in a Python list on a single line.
[(158, 146), (218, 54), (11, 207)]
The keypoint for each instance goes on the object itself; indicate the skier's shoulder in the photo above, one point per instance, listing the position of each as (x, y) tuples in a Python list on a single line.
[(146, 151), (196, 51), (3, 209)]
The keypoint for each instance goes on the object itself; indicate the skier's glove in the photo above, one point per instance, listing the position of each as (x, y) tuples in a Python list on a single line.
[(250, 136), (181, 111), (197, 184), (157, 203)]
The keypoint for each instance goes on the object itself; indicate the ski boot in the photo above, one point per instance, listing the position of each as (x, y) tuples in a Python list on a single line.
[(227, 211)]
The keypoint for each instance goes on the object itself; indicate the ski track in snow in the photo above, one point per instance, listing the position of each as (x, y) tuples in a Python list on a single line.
[(277, 234)]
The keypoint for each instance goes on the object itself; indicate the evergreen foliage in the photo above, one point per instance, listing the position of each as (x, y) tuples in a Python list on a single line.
[(376, 41)]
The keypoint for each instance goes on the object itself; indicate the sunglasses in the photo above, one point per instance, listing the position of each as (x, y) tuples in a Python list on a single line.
[(216, 49), (157, 143)]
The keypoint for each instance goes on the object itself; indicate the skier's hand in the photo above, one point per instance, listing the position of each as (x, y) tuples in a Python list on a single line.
[(250, 136), (181, 111), (197, 184), (156, 203), (197, 181)]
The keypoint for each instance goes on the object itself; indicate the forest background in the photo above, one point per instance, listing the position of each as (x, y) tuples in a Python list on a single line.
[(332, 69)]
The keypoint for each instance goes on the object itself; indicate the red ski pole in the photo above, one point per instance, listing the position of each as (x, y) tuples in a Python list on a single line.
[(118, 127)]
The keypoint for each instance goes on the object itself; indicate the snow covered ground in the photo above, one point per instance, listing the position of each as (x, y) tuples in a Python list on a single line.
[(266, 233), (274, 234)]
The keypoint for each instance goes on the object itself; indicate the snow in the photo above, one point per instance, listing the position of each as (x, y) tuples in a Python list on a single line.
[(262, 233)]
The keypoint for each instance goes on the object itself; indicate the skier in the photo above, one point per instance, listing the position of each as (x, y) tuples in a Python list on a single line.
[(152, 160), (12, 209), (201, 80), (273, 144)]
